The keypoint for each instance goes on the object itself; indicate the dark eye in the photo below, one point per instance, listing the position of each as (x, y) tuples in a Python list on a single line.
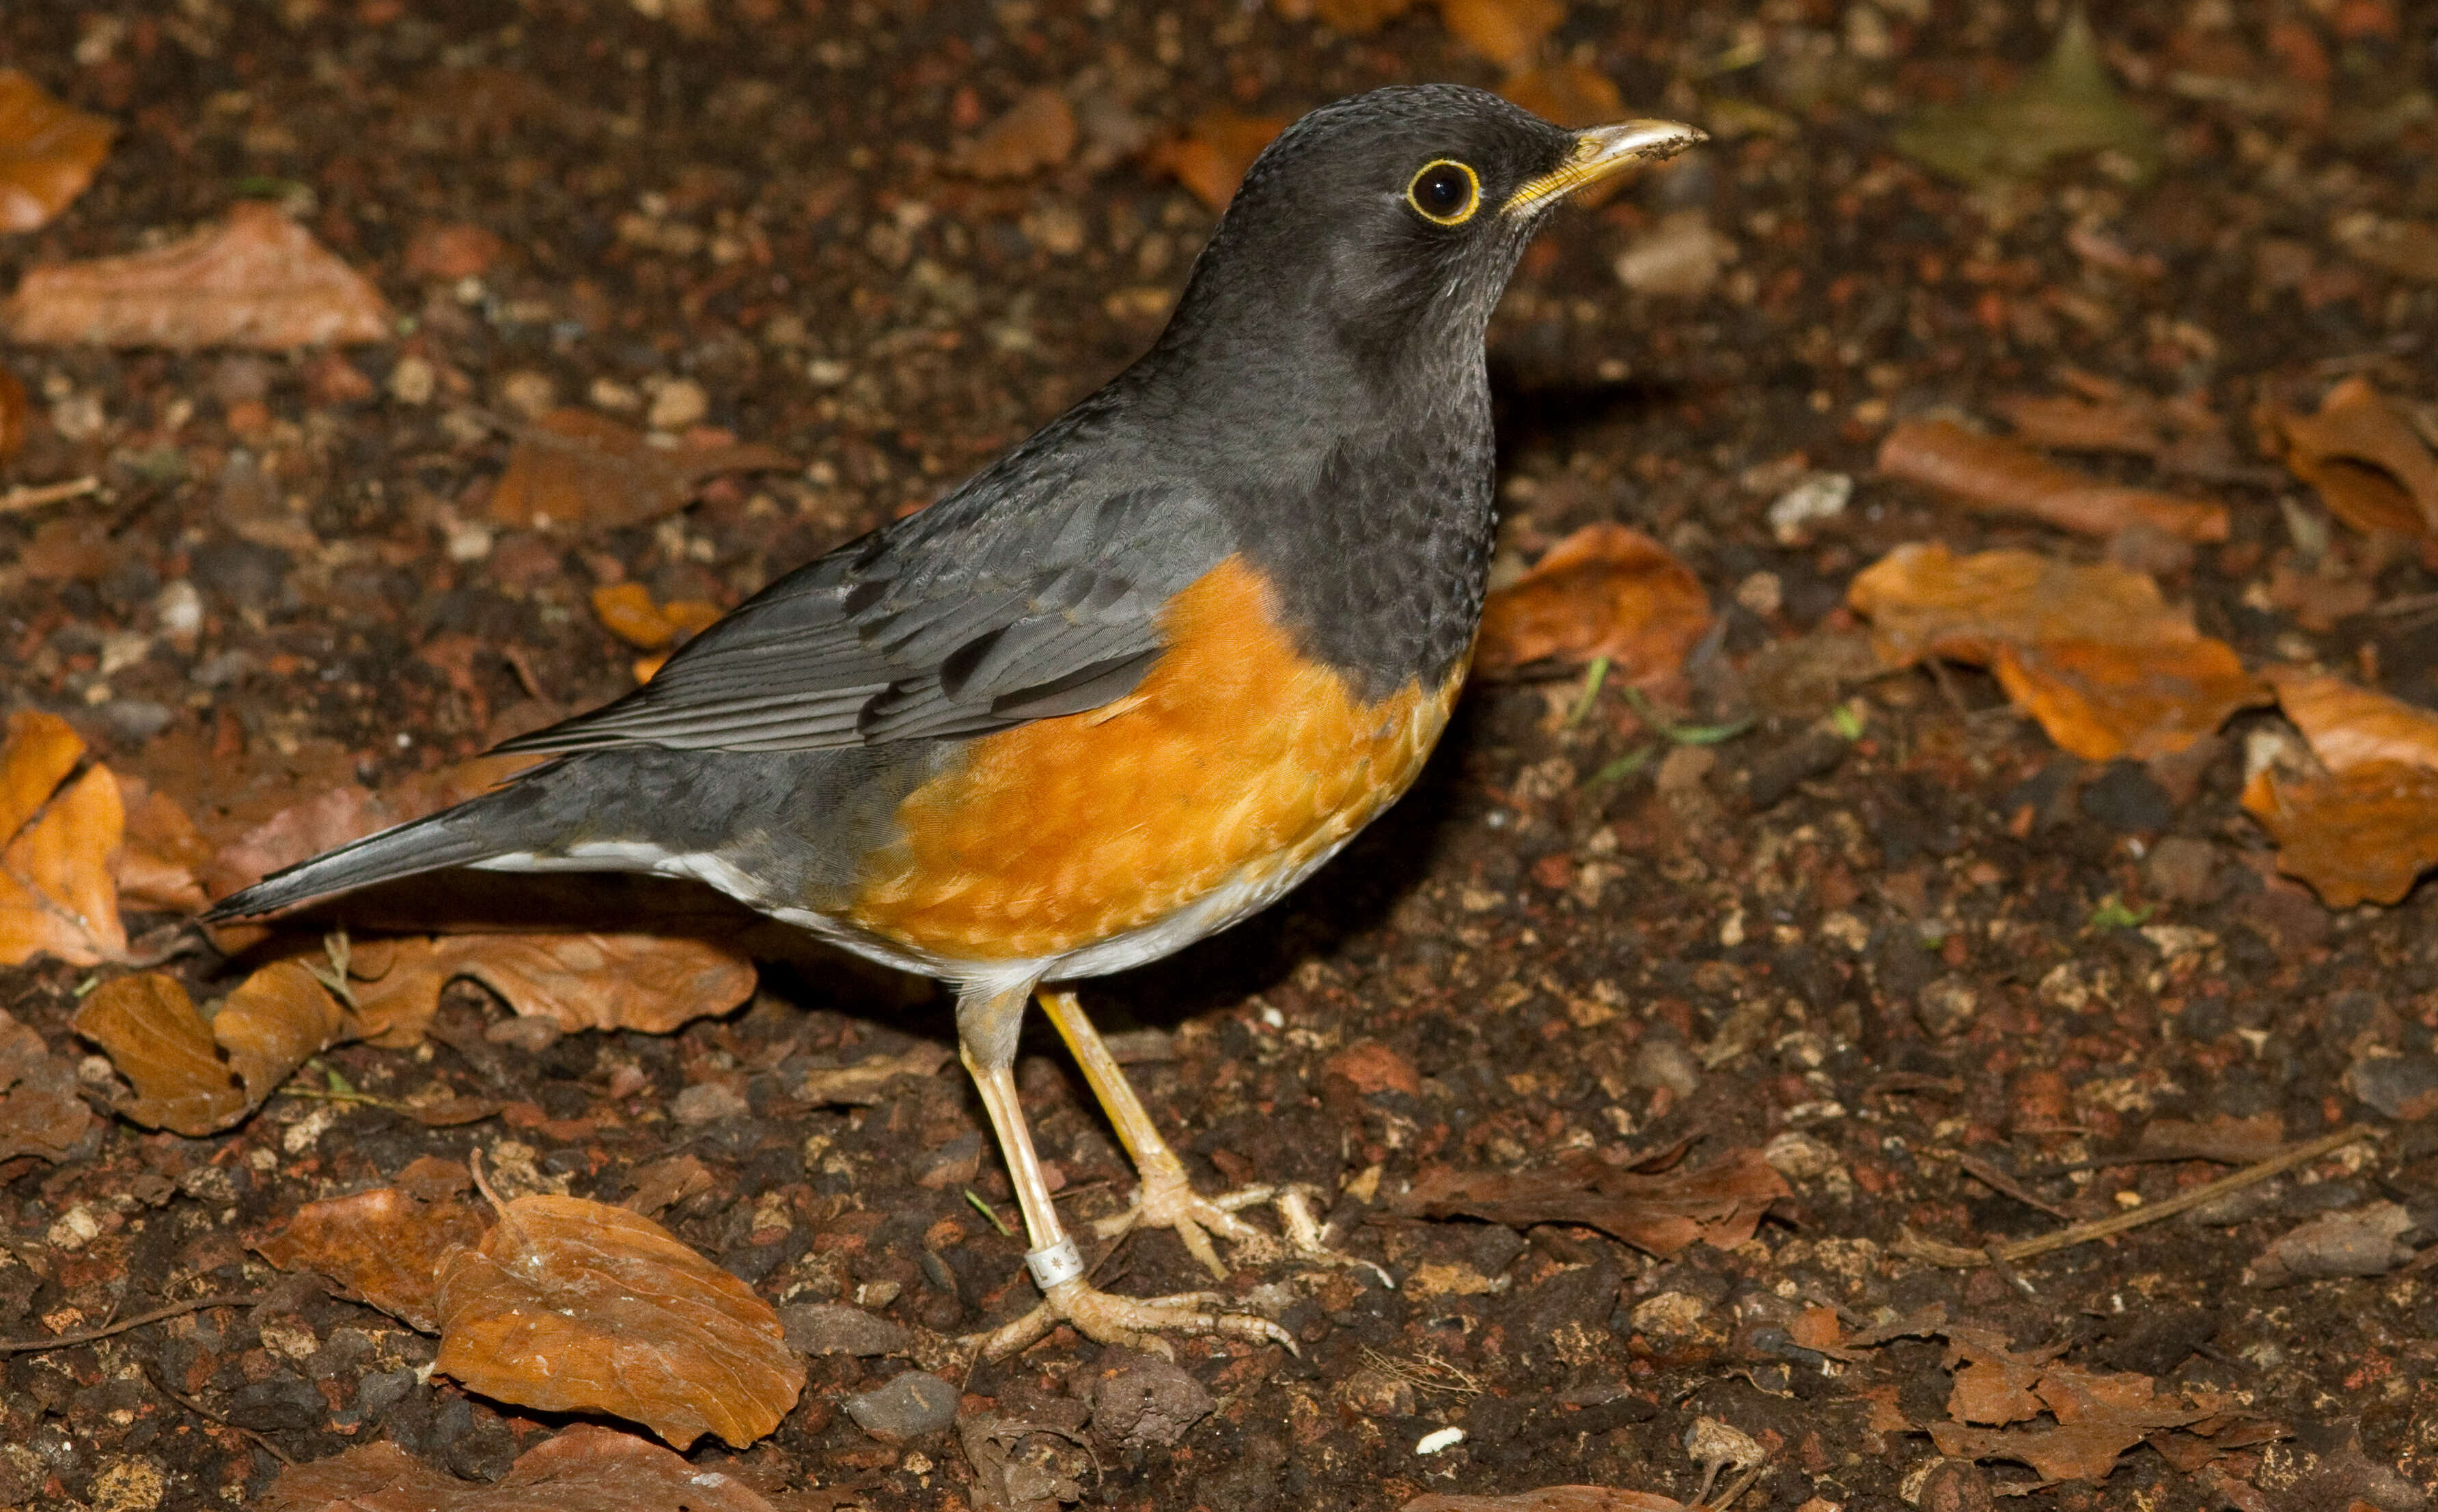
[(1445, 191)]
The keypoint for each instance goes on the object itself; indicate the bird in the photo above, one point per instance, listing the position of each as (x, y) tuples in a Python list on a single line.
[(1127, 685)]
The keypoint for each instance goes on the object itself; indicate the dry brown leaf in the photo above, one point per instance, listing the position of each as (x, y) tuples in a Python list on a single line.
[(1549, 1499), (274, 826), (2318, 602), (627, 611), (585, 1469), (862, 1083), (256, 279), (2182, 434), (57, 894), (1210, 158), (2364, 835), (2366, 1240), (573, 468), (2369, 464), (163, 849), (1036, 133), (1569, 93), (2349, 725), (2004, 477), (1507, 32), (574, 1306), (197, 1077), (2222, 1137), (1604, 592), (382, 1247), (1720, 1204), (48, 152), (653, 983), (2097, 1416), (2094, 653), (40, 1111)]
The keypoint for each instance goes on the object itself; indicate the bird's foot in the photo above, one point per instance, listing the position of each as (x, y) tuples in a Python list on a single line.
[(1136, 1323), (1167, 1200)]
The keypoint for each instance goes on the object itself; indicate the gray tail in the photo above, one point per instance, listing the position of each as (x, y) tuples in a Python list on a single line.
[(473, 831)]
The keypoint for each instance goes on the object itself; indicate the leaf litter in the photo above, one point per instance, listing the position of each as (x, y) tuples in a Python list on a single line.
[(2365, 460), (196, 1077), (1650, 1204), (584, 1467), (49, 152), (382, 1247), (2004, 477), (40, 1111), (2363, 827), (1604, 591), (575, 468), (60, 841)]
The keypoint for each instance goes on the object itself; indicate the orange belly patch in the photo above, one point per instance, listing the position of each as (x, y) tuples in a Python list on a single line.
[(1234, 759)]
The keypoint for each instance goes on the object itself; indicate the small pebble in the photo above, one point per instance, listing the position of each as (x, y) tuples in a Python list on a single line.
[(911, 1405), (677, 403), (835, 1329), (1438, 1439)]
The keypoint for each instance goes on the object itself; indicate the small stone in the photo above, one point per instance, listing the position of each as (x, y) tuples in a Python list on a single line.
[(1817, 498), (1798, 1156), (2181, 870), (179, 608), (913, 1405), (530, 393), (1955, 1485), (414, 381), (1371, 1067), (835, 1329), (2400, 1086), (1665, 1062), (677, 403), (1671, 1315), (1947, 1006), (953, 1164), (1142, 1400), (1681, 257), (707, 1102)]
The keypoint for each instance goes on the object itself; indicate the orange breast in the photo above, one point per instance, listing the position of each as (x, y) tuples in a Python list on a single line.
[(1235, 758)]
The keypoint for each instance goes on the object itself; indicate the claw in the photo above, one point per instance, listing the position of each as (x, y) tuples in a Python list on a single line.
[(1136, 1323)]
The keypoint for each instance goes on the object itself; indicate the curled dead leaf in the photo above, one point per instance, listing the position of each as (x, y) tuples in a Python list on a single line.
[(40, 1111), (573, 468), (382, 1247), (2349, 725), (2364, 835), (2364, 458), (48, 152), (58, 848), (585, 1469), (574, 1306), (652, 983), (2096, 1415), (1604, 592), (1210, 157), (1660, 1212), (256, 279), (2102, 701), (195, 1078), (2005, 477)]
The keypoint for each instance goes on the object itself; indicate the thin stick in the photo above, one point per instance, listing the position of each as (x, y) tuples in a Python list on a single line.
[(175, 1310), (2301, 1154), (210, 1416), (36, 496), (2006, 1185)]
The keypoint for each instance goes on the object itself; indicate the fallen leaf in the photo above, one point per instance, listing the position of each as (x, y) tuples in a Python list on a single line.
[(2068, 106), (57, 894), (196, 1078), (2004, 477), (2224, 1137), (2368, 463), (1548, 1499), (627, 611), (2094, 653), (1210, 158), (1036, 133), (256, 279), (157, 863), (2318, 602), (864, 1083), (2364, 835), (574, 1306), (1604, 592), (576, 467), (652, 983), (2097, 1416), (2183, 434), (40, 1111), (1720, 1204), (1507, 32), (48, 152), (585, 1469), (452, 251), (2366, 1240), (382, 1247)]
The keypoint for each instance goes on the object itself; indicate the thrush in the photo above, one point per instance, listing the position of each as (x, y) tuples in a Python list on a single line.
[(1128, 684)]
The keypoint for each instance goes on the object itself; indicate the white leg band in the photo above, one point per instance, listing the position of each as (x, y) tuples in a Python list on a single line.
[(1061, 1262)]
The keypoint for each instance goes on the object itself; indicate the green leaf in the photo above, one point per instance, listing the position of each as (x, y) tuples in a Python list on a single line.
[(2067, 107)]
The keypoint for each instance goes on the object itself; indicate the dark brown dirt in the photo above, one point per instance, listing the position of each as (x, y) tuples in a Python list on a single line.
[(1940, 940)]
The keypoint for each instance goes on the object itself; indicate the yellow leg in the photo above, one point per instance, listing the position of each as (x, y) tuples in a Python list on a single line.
[(1166, 1198), (986, 1028)]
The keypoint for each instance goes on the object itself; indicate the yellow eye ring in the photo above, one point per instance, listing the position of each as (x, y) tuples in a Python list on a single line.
[(1444, 192)]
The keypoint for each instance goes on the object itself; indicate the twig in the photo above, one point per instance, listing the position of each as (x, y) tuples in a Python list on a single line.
[(175, 1310), (34, 495), (210, 1416), (2099, 1228), (2006, 1185)]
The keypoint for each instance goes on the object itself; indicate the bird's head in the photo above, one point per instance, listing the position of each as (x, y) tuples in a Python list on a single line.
[(1392, 221)]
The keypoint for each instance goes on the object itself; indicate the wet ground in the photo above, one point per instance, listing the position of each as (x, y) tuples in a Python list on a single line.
[(1932, 945)]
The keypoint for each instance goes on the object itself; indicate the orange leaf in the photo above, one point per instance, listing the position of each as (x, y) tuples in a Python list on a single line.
[(1661, 1213), (256, 279), (56, 896), (586, 1468), (196, 1078), (1507, 32), (2370, 466), (48, 152), (41, 750), (2103, 701), (382, 1247), (2007, 477), (1604, 592), (1211, 157), (1037, 131), (2363, 834), (576, 467), (627, 611), (574, 1306), (2350, 727), (651, 983), (40, 1111), (157, 866)]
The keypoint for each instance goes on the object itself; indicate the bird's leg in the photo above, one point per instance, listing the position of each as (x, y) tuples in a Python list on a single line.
[(986, 1030), (1166, 1199)]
